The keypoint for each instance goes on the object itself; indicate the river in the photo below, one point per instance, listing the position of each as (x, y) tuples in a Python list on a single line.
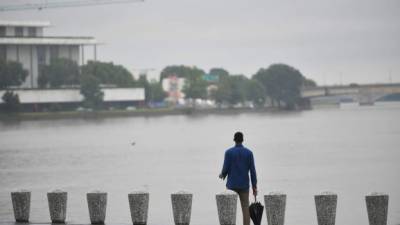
[(350, 150)]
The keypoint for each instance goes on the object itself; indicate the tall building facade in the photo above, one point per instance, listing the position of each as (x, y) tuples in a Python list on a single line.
[(25, 42)]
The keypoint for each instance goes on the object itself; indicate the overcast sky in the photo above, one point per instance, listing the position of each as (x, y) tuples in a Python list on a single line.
[(329, 41)]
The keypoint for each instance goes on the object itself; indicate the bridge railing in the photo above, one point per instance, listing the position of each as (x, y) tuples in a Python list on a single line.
[(275, 207)]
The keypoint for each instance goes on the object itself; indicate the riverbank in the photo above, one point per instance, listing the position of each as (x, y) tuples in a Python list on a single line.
[(125, 113)]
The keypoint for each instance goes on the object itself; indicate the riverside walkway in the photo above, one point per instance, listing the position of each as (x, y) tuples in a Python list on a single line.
[(275, 207)]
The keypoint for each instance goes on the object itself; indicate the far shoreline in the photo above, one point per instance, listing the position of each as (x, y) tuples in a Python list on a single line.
[(135, 113)]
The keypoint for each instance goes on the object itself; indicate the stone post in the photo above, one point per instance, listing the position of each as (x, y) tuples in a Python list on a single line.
[(377, 208), (57, 205), (139, 206), (275, 206), (226, 205), (97, 204), (182, 207), (325, 204), (21, 201)]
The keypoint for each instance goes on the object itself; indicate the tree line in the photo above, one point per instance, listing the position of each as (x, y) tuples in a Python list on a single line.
[(280, 84)]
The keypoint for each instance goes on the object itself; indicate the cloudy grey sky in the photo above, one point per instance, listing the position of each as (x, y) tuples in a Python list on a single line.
[(330, 41)]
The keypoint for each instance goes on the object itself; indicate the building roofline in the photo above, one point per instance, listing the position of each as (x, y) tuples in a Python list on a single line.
[(24, 23), (48, 41), (50, 37)]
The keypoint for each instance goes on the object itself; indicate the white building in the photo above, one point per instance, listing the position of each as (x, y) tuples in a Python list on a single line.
[(173, 85), (25, 42), (48, 96)]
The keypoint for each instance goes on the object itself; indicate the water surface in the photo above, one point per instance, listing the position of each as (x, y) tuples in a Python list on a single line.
[(351, 151)]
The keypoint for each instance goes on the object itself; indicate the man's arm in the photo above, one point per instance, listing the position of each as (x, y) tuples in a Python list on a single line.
[(225, 167), (253, 174)]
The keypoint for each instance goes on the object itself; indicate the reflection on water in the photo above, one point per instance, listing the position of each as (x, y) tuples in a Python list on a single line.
[(352, 151)]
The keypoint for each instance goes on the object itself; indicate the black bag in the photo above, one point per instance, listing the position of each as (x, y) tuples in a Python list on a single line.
[(256, 212)]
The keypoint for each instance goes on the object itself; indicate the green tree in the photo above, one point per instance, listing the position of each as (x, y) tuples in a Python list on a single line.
[(181, 71), (109, 73), (255, 93), (223, 92), (195, 87), (309, 82), (153, 90), (282, 84), (156, 92), (144, 83), (90, 89), (231, 90), (60, 72), (239, 88), (11, 101), (11, 74), (219, 72)]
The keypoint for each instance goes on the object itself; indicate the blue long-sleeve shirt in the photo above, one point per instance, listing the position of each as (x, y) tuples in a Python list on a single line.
[(238, 162)]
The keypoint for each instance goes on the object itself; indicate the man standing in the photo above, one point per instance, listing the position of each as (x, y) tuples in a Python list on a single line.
[(238, 162)]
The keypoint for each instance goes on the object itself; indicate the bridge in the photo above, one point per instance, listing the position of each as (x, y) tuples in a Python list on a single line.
[(365, 94)]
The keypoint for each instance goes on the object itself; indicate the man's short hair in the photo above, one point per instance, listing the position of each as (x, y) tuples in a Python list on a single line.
[(238, 137)]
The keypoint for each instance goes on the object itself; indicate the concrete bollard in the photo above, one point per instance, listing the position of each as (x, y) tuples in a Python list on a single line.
[(181, 207), (325, 204), (97, 204), (226, 205), (57, 205), (21, 201), (139, 206), (377, 208), (275, 206)]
